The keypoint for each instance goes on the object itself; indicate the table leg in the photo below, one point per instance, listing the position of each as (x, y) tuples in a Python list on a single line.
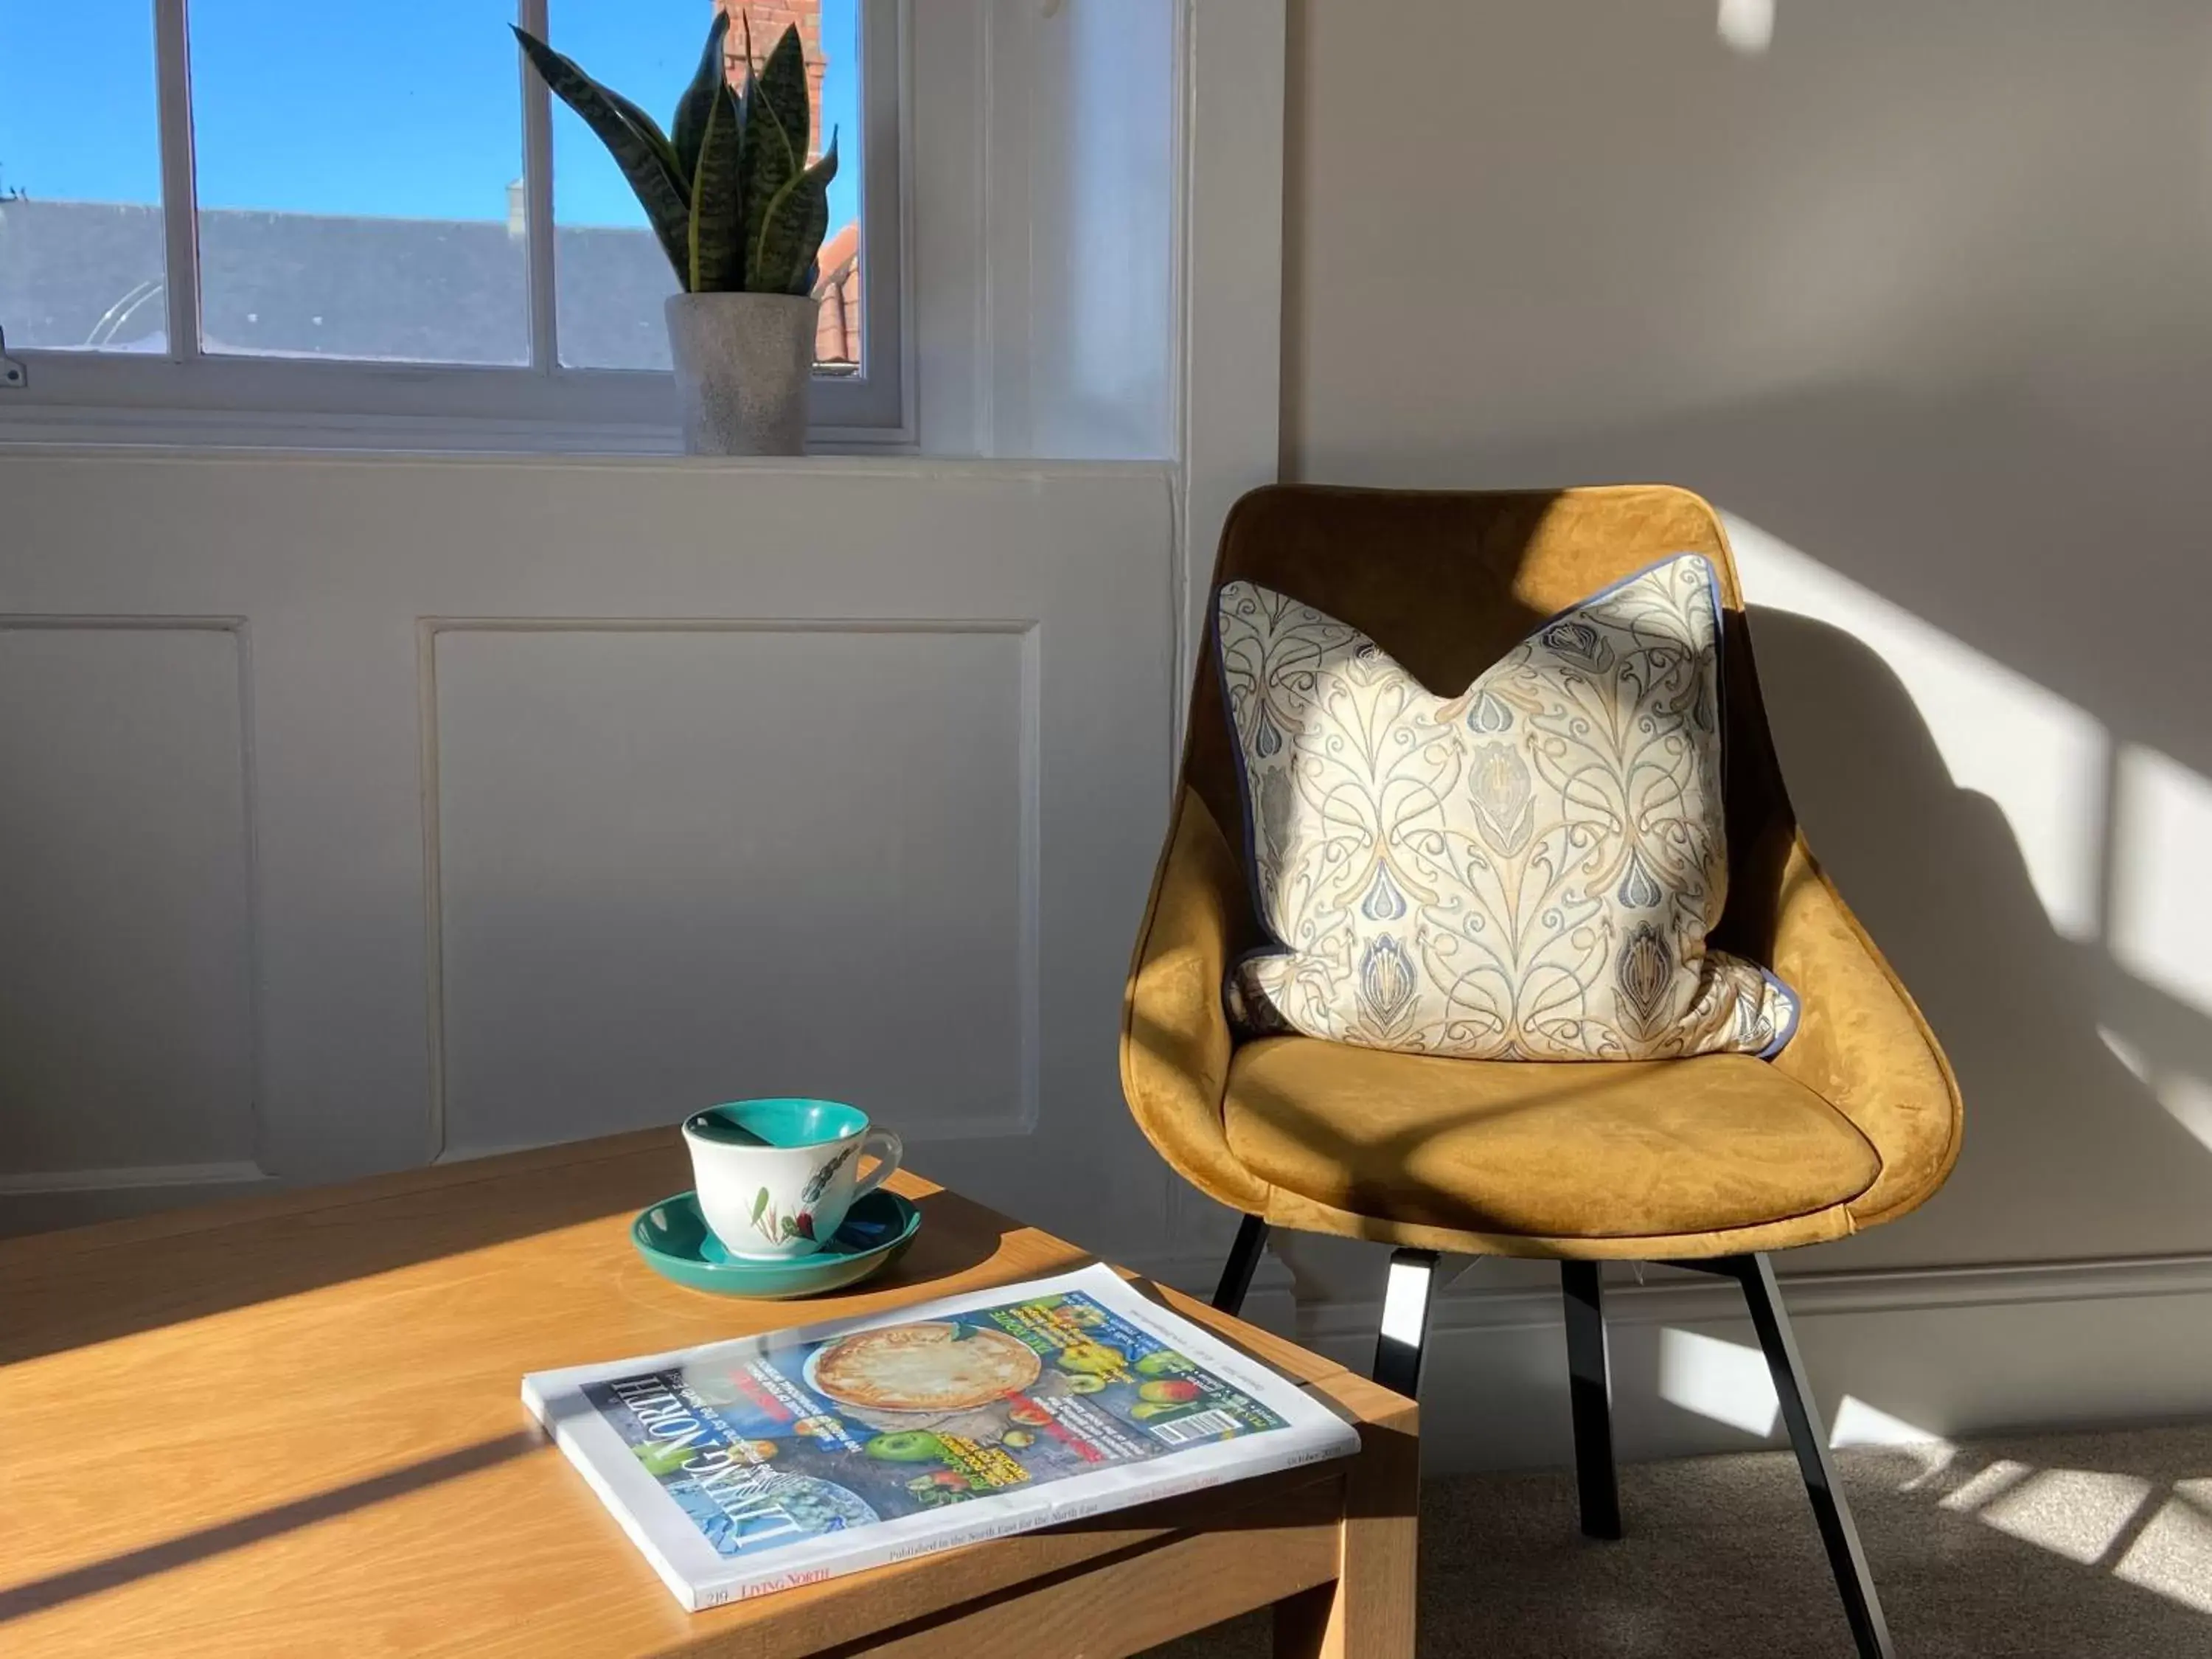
[(1367, 1612)]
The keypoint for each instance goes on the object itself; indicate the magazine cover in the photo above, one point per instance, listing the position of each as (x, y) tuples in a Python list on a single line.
[(749, 1466)]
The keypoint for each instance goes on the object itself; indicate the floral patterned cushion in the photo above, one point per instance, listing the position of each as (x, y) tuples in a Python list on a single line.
[(1526, 870)]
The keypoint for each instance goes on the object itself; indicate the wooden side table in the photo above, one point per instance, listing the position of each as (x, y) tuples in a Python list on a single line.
[(291, 1425)]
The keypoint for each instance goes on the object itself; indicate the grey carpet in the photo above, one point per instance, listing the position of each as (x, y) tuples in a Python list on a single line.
[(2057, 1546)]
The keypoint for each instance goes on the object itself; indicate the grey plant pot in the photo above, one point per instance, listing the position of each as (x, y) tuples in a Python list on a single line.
[(744, 362)]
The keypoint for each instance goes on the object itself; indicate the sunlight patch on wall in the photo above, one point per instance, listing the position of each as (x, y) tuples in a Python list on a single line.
[(2188, 1101), (1720, 1380), (1747, 26), (2038, 757), (2172, 1555), (2076, 1513), (1858, 1424), (2161, 902), (2128, 1052)]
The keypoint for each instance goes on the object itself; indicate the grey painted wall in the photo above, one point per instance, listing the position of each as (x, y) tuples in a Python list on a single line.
[(1922, 297)]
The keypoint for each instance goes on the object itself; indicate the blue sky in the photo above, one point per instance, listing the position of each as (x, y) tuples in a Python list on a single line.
[(407, 108)]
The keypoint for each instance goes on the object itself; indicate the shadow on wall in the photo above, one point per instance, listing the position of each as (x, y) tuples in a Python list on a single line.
[(2056, 547), (1922, 293), (2032, 532), (1935, 873), (2063, 547)]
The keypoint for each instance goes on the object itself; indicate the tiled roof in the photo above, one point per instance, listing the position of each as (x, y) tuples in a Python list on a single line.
[(435, 290)]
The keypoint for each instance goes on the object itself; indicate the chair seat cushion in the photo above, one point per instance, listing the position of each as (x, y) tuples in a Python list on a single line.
[(1560, 1149)]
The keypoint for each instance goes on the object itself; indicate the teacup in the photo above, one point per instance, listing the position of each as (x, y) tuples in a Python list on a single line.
[(775, 1177)]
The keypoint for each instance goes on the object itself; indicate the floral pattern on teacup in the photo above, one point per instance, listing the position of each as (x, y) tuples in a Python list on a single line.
[(779, 1227)]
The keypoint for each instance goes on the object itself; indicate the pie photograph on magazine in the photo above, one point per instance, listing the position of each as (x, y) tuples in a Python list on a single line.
[(935, 1366), (774, 1447)]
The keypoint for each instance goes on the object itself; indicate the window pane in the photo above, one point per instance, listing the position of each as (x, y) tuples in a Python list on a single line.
[(612, 274), (360, 172), (81, 248)]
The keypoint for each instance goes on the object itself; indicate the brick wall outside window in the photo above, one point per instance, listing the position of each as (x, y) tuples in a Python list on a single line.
[(837, 335), (768, 20)]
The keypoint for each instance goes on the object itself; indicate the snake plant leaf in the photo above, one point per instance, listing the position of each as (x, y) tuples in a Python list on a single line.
[(717, 231), (780, 249), (699, 98), (643, 164), (649, 130), (771, 161), (783, 84)]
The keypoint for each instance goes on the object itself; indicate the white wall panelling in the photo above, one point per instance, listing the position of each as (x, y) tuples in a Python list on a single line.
[(669, 854), (127, 1022), (481, 688), (584, 793)]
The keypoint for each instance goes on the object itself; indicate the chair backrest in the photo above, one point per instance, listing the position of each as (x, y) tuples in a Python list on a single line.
[(1449, 581)]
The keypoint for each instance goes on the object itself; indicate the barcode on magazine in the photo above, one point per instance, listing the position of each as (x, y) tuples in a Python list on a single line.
[(1199, 1425)]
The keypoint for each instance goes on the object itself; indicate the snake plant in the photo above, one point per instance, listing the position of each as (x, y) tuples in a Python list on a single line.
[(731, 195)]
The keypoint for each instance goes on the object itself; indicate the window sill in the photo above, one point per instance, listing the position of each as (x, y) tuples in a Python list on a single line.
[(279, 403), (77, 428), (827, 466)]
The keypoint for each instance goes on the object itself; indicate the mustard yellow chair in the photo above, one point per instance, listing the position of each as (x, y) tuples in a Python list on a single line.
[(1709, 1163)]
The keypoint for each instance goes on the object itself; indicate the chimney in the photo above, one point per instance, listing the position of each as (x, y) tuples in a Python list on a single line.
[(769, 19)]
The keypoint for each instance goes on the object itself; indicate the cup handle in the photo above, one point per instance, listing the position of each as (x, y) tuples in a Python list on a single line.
[(888, 1150)]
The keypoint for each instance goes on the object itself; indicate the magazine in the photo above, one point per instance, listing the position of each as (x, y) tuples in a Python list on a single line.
[(749, 1466)]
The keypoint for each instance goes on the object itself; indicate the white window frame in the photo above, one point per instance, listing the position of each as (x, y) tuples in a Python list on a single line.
[(192, 397)]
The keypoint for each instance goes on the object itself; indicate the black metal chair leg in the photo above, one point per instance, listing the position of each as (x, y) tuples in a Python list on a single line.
[(1237, 1271), (1591, 1388), (1405, 1322), (1861, 1606)]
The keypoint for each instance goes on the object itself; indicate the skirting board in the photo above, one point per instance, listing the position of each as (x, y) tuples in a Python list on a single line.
[(1895, 1356)]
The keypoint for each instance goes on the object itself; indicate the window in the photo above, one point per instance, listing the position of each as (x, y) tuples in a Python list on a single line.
[(252, 206), (95, 75)]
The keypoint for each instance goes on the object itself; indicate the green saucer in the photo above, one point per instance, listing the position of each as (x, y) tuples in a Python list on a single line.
[(673, 1238)]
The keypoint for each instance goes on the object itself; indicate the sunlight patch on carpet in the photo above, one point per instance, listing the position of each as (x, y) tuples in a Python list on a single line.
[(2172, 1556), (2076, 1513)]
